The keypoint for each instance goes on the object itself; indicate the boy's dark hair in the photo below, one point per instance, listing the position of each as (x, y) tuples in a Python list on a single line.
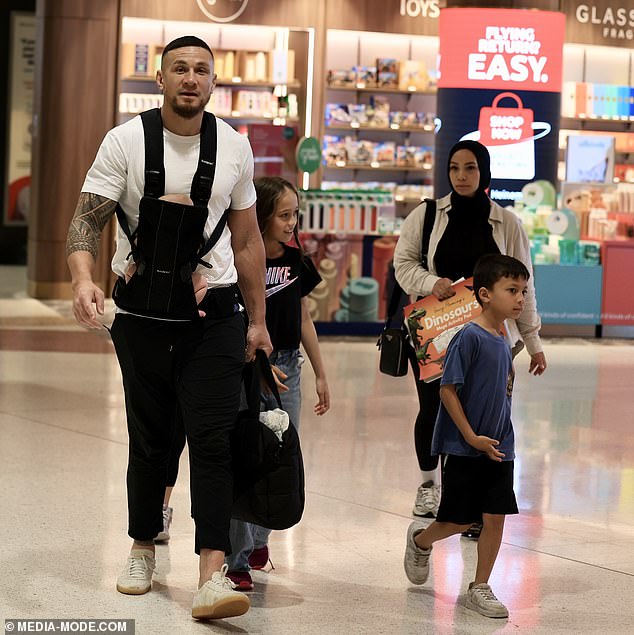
[(493, 267), (182, 42)]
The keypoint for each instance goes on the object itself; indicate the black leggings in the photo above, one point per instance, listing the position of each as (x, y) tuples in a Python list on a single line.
[(428, 404), (194, 367)]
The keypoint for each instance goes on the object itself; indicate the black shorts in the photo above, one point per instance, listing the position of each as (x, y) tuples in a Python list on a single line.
[(472, 486)]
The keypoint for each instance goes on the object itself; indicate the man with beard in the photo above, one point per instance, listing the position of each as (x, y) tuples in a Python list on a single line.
[(168, 365)]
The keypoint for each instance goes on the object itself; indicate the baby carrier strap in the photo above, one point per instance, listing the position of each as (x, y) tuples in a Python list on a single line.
[(154, 186), (202, 182)]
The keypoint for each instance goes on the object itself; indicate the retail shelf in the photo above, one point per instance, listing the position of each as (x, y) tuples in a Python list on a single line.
[(276, 121), (235, 83), (378, 168), (619, 156), (597, 123), (418, 129), (381, 89)]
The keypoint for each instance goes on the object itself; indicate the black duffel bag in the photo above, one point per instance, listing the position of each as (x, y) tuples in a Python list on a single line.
[(268, 481)]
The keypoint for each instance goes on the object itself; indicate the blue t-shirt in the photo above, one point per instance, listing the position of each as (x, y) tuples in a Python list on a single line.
[(480, 365)]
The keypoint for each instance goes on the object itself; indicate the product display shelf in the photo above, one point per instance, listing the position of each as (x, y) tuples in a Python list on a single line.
[(380, 89), (377, 168), (607, 124), (236, 82), (389, 129), (401, 134), (260, 83)]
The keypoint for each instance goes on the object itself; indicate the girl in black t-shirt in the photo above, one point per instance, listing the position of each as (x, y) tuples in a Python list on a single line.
[(290, 277)]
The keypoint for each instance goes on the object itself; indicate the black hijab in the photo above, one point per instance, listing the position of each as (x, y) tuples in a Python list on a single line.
[(468, 234)]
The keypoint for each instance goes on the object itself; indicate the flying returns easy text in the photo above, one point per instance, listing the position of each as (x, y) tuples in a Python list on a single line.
[(508, 53)]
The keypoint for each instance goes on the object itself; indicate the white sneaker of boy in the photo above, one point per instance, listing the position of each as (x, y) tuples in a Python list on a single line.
[(481, 598), (416, 561)]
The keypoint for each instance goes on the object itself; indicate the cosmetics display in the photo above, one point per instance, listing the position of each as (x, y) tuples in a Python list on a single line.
[(347, 211)]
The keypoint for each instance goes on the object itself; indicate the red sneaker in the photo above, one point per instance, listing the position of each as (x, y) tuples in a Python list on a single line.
[(242, 580), (259, 558)]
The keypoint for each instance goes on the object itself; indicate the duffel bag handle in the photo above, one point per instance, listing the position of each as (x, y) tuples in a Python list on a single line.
[(256, 373)]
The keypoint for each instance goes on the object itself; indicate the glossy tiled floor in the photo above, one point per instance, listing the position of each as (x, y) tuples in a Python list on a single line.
[(566, 565)]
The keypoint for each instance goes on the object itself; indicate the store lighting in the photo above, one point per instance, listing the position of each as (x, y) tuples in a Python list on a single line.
[(309, 96)]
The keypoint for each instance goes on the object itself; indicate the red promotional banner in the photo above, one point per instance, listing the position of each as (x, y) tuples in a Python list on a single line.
[(509, 49)]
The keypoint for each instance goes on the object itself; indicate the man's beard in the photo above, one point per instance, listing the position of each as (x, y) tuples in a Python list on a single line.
[(187, 110)]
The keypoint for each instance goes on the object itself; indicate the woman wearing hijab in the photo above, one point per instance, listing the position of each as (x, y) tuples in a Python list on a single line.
[(467, 225)]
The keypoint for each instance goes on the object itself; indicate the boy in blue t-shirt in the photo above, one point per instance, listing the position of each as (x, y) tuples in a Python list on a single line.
[(474, 432)]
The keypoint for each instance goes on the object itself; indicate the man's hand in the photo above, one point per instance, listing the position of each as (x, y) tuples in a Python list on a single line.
[(538, 364), (257, 337), (88, 301), (443, 289), (488, 446)]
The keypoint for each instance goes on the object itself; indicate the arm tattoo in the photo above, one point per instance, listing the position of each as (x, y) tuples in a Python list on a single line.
[(91, 215)]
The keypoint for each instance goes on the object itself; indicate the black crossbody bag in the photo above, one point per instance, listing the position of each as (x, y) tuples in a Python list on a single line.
[(167, 245), (393, 342)]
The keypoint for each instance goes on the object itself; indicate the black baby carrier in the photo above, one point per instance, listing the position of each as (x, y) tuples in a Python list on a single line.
[(167, 244)]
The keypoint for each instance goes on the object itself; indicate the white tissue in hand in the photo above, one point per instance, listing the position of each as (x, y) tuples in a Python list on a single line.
[(275, 420)]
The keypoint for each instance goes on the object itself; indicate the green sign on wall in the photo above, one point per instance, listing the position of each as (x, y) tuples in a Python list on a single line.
[(308, 153)]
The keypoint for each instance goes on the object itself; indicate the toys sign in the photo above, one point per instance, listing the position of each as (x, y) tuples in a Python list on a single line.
[(501, 48)]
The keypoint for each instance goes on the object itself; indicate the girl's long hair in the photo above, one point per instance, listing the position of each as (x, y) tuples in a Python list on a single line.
[(269, 190)]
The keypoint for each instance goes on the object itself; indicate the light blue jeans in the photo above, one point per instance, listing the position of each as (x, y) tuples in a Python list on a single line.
[(245, 537)]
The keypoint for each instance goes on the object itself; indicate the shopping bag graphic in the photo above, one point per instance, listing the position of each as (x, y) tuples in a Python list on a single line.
[(508, 135)]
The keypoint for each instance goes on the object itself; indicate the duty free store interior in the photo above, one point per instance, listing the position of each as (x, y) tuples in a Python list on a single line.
[(363, 80)]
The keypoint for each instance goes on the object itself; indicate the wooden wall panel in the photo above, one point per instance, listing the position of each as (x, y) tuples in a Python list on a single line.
[(73, 109), (292, 13), (384, 16), (601, 22)]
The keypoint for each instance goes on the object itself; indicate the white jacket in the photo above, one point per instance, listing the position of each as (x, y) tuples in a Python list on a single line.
[(511, 240)]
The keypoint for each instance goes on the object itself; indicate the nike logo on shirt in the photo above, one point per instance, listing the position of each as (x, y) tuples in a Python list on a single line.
[(280, 287)]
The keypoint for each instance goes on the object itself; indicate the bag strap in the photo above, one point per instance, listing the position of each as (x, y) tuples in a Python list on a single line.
[(267, 374), (428, 224), (256, 372), (395, 298)]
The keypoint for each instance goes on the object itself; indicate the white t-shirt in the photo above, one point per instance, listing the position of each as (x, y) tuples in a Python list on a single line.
[(118, 174)]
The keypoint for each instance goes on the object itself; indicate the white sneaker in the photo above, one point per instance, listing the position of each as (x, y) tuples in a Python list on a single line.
[(416, 561), (427, 500), (217, 599), (136, 578), (164, 536), (481, 599)]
